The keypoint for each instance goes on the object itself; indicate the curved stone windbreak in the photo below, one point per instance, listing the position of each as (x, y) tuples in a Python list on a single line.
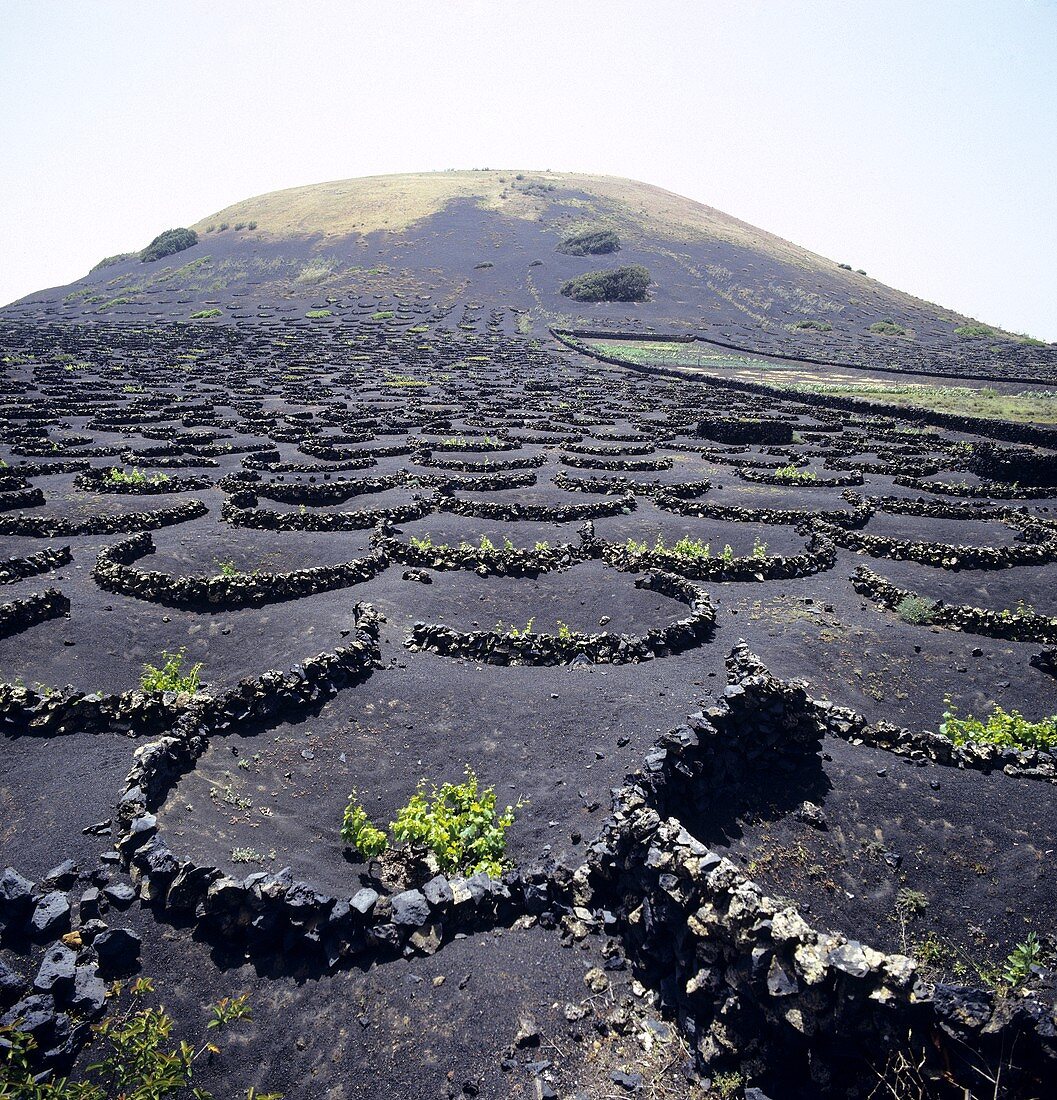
[(98, 480), (942, 555), (540, 513), (628, 465), (529, 648), (734, 513), (508, 561), (55, 712), (241, 510), (763, 477), (470, 466), (621, 486), (32, 565), (942, 509), (819, 556), (933, 746), (57, 527), (267, 911), (996, 490), (1016, 626), (486, 483), (114, 572), (19, 615), (320, 492), (30, 497), (750, 980), (272, 465)]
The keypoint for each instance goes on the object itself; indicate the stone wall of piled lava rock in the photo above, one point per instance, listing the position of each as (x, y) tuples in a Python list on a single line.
[(389, 437)]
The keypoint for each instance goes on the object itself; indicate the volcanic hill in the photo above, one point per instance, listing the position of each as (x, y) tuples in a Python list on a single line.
[(496, 236)]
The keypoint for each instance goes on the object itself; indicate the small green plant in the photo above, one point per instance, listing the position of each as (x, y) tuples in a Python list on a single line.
[(205, 314), (1021, 959), (794, 474), (457, 823), (381, 315), (136, 1058), (170, 676), (564, 631), (910, 903), (759, 549), (316, 313), (135, 476), (692, 549), (540, 547), (728, 553), (248, 855), (515, 632), (358, 832), (487, 545), (916, 609), (888, 328), (227, 568), (424, 542), (1004, 729), (727, 1085)]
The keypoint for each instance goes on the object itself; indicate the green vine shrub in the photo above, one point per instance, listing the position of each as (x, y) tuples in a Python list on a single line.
[(136, 1058), (1010, 730), (170, 676), (458, 824)]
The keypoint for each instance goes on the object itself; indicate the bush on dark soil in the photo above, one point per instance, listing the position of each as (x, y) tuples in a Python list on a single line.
[(622, 284), (589, 242), (168, 243)]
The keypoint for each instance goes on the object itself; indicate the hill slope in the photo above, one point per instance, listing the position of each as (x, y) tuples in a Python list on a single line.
[(490, 237)]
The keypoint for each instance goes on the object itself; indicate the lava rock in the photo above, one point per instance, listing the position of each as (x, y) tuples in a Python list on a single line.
[(118, 948), (57, 970), (16, 896), (410, 908), (51, 917)]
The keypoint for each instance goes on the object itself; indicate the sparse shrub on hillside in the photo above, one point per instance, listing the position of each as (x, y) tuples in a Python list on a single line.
[(314, 271), (916, 610), (314, 313), (109, 261), (589, 242), (975, 332), (621, 284), (887, 328), (813, 325), (203, 314), (168, 243)]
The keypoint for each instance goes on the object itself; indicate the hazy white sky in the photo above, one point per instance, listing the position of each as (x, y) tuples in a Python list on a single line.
[(915, 139)]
